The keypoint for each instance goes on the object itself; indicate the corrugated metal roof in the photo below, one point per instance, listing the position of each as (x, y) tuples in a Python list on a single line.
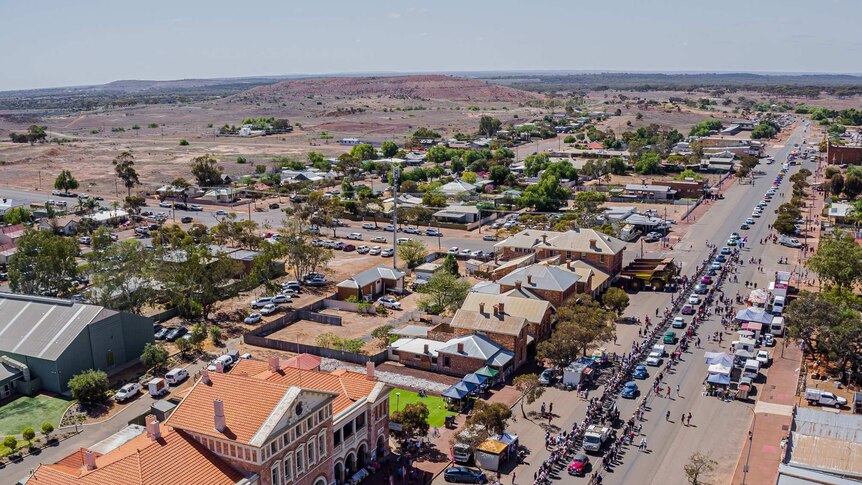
[(813, 422), (542, 277), (42, 327), (488, 322), (826, 454), (533, 310)]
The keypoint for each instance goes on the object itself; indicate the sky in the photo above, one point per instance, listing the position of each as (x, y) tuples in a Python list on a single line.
[(55, 43)]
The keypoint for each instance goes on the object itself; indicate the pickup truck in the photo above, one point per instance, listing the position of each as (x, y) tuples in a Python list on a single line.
[(824, 398), (595, 437)]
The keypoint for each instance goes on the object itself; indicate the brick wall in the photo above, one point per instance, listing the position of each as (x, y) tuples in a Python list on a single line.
[(838, 155), (459, 365)]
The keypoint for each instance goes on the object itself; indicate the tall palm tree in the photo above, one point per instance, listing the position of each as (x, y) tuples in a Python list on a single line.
[(124, 166)]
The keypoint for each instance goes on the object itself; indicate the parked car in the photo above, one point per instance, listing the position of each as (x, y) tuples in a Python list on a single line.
[(694, 300), (338, 246), (162, 333), (669, 337), (768, 340), (253, 318), (477, 254), (402, 240), (85, 240), (362, 249), (547, 377), (701, 289), (355, 236), (175, 376), (678, 322), (654, 359), (368, 225), (706, 280), (280, 299), (687, 310), (268, 309), (389, 302), (273, 206), (630, 390), (640, 372), (165, 204), (291, 285), (176, 333), (374, 251), (186, 220), (261, 302), (315, 281), (462, 474), (453, 250), (726, 250), (225, 360), (433, 232), (127, 392), (348, 247), (195, 208), (489, 237), (380, 239), (387, 253), (465, 252), (411, 230), (762, 357), (389, 228)]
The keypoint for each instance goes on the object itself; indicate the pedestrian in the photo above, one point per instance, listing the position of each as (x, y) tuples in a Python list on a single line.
[(643, 444), (689, 418), (677, 390), (667, 416), (551, 408), (513, 478), (668, 394), (543, 409)]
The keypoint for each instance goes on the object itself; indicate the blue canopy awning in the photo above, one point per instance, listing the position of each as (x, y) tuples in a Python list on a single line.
[(721, 379), (475, 379), (455, 393)]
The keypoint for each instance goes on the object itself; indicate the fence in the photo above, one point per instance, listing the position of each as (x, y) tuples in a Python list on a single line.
[(347, 306), (165, 315)]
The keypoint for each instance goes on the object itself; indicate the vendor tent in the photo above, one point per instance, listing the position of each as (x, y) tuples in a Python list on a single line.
[(454, 392), (743, 354), (721, 358), (719, 379), (474, 379), (487, 372), (719, 369), (754, 315)]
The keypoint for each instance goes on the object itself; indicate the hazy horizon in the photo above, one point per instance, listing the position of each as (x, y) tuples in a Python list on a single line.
[(71, 44)]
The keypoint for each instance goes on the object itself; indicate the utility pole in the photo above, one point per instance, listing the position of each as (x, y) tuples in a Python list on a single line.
[(396, 174)]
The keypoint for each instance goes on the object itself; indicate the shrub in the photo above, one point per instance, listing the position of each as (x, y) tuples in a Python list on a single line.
[(90, 387), (184, 142)]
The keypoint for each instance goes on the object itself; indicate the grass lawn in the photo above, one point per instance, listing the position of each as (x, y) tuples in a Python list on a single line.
[(31, 411), (436, 406)]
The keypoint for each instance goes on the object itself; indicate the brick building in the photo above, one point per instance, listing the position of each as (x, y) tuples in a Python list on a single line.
[(519, 302), (458, 356), (687, 189), (588, 245), (839, 155), (551, 283), (495, 323), (262, 424)]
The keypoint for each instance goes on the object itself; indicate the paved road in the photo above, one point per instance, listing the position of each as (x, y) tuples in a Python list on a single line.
[(718, 428)]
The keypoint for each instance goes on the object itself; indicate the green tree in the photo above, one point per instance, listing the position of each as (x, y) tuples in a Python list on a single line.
[(785, 224), (17, 215), (852, 185), (89, 387), (122, 276), (65, 181), (11, 443), (198, 281), (215, 335), (155, 356), (444, 291), (44, 264), (688, 174), (28, 435), (838, 260), (491, 416), (535, 163), (47, 429), (648, 164), (545, 196), (124, 167), (617, 166), (489, 126), (423, 133), (705, 127), (450, 265), (616, 300), (388, 149), (206, 171), (381, 333), (530, 389), (469, 177), (580, 326), (499, 174), (836, 184), (438, 154), (413, 419), (412, 252), (363, 152), (184, 142)]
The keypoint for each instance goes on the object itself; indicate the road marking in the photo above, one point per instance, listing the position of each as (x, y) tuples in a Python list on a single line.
[(772, 408)]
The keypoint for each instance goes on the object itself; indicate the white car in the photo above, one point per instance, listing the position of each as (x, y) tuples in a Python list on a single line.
[(389, 228), (654, 359), (268, 309), (465, 252), (453, 250), (374, 251), (362, 249), (281, 299), (253, 318), (411, 230), (389, 302), (355, 236), (762, 357), (402, 240), (261, 302), (694, 300), (477, 254), (165, 204), (749, 221), (221, 212), (378, 239), (755, 214), (127, 392), (368, 225), (678, 322), (387, 253)]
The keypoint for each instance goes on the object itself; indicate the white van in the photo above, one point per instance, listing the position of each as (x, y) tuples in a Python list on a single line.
[(776, 328), (175, 376), (778, 305), (751, 369)]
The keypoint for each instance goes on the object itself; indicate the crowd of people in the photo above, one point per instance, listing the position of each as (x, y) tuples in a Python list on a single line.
[(603, 410)]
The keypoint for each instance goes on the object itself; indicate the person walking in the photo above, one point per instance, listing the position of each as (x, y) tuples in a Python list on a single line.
[(642, 445), (689, 418), (667, 416), (677, 390)]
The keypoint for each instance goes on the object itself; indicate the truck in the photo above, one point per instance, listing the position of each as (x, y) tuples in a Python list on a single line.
[(654, 273), (595, 437), (751, 369), (823, 398), (628, 233)]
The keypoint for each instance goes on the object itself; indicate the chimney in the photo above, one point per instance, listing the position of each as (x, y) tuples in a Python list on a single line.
[(529, 279), (369, 370), (482, 307), (460, 348), (220, 367), (218, 408), (569, 265), (502, 309), (90, 459), (205, 376), (274, 364), (518, 284), (592, 244), (544, 239), (153, 429), (426, 349)]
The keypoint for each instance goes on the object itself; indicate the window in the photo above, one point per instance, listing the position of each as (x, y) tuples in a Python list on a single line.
[(311, 448), (288, 467), (232, 450), (320, 415), (109, 358), (273, 447), (300, 460), (336, 438), (276, 478), (360, 421), (218, 446), (309, 423), (602, 258), (347, 430), (321, 444)]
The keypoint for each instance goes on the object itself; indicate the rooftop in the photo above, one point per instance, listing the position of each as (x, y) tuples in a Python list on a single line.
[(370, 276), (532, 310), (541, 277), (489, 322)]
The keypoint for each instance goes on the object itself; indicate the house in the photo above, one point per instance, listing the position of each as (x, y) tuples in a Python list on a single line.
[(647, 191), (225, 194), (552, 283), (426, 270), (292, 176), (66, 225), (457, 187), (457, 214), (8, 204), (687, 189), (595, 145), (55, 339), (824, 447), (592, 280), (264, 423), (371, 284), (518, 302), (166, 191), (9, 236), (113, 217), (458, 356), (840, 211), (596, 249), (494, 323), (350, 141)]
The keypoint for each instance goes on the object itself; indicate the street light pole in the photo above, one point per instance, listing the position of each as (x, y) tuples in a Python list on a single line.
[(396, 174), (750, 443)]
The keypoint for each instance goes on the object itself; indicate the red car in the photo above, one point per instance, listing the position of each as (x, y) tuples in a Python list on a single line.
[(707, 280), (688, 310), (348, 248), (579, 465)]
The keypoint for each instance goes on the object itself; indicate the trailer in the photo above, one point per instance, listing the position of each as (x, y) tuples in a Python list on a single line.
[(157, 387), (653, 273)]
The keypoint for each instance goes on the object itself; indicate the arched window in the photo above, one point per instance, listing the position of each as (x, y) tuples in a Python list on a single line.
[(300, 460), (320, 481), (276, 473)]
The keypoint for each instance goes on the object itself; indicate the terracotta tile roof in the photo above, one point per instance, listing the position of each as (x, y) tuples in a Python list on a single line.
[(350, 386), (175, 458), (75, 460), (247, 402), (304, 361)]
